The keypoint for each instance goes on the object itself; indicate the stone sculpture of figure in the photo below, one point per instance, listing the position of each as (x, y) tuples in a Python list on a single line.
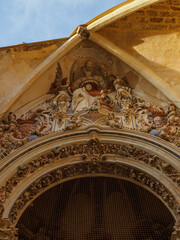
[(12, 121), (105, 101), (113, 121), (11, 135), (72, 123), (10, 124), (82, 99), (88, 73), (170, 129), (172, 116), (123, 95), (62, 101), (123, 92)]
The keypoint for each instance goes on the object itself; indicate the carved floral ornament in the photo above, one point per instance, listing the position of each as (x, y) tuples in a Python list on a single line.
[(92, 153), (91, 95), (95, 159), (82, 169)]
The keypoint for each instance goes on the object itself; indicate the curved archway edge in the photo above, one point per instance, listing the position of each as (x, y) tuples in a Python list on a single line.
[(92, 168), (96, 155)]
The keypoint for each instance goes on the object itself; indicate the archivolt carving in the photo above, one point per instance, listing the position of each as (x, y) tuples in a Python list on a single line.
[(7, 230), (100, 167), (94, 153), (92, 95)]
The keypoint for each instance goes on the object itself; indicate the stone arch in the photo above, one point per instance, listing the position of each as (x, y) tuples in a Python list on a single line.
[(57, 158), (91, 169)]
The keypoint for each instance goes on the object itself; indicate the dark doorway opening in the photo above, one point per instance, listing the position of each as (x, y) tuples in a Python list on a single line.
[(96, 208)]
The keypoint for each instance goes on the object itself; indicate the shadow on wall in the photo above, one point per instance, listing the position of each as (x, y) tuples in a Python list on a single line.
[(152, 36)]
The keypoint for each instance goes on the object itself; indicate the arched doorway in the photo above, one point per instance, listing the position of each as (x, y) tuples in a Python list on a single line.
[(64, 159), (96, 208)]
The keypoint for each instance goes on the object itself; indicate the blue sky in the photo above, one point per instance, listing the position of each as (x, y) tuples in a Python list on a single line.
[(40, 20)]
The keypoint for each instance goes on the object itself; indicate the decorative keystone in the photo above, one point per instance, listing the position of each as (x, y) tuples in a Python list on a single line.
[(83, 32)]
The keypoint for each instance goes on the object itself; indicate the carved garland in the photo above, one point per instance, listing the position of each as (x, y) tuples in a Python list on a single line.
[(92, 151), (100, 167)]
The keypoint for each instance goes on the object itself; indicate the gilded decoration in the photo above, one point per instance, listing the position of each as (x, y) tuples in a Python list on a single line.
[(91, 95)]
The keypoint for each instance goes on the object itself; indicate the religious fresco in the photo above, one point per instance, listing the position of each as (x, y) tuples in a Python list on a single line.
[(91, 95)]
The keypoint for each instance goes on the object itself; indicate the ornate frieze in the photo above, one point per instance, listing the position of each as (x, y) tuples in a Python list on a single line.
[(83, 169), (92, 152), (91, 96), (8, 230)]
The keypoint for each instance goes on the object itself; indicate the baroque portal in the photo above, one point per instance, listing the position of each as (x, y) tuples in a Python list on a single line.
[(97, 90), (96, 208), (93, 93)]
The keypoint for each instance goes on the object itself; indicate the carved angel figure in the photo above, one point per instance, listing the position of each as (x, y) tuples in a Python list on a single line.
[(122, 90), (62, 101)]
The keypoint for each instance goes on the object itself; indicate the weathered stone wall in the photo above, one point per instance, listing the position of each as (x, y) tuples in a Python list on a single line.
[(18, 61), (161, 16), (152, 35)]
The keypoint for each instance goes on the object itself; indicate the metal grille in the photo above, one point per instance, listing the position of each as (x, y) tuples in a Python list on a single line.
[(96, 208)]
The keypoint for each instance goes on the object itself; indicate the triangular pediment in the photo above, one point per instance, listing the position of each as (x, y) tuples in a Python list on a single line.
[(117, 32), (89, 81), (89, 87), (68, 70)]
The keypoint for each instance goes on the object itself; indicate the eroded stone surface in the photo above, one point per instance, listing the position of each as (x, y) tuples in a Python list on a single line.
[(18, 61), (152, 36)]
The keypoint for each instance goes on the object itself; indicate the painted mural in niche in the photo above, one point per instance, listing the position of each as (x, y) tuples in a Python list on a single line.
[(91, 96)]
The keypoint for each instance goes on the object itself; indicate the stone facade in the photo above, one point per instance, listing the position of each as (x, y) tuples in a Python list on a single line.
[(84, 111), (141, 35)]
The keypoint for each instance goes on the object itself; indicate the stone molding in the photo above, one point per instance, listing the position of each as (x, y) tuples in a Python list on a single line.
[(96, 155), (94, 167), (8, 230), (94, 152)]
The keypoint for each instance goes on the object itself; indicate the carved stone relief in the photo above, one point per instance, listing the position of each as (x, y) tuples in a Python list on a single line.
[(92, 96), (95, 167), (94, 155), (90, 88), (93, 87), (8, 230), (91, 92)]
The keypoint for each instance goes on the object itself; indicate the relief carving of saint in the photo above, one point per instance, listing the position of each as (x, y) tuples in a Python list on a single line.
[(82, 98), (91, 87), (94, 74)]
